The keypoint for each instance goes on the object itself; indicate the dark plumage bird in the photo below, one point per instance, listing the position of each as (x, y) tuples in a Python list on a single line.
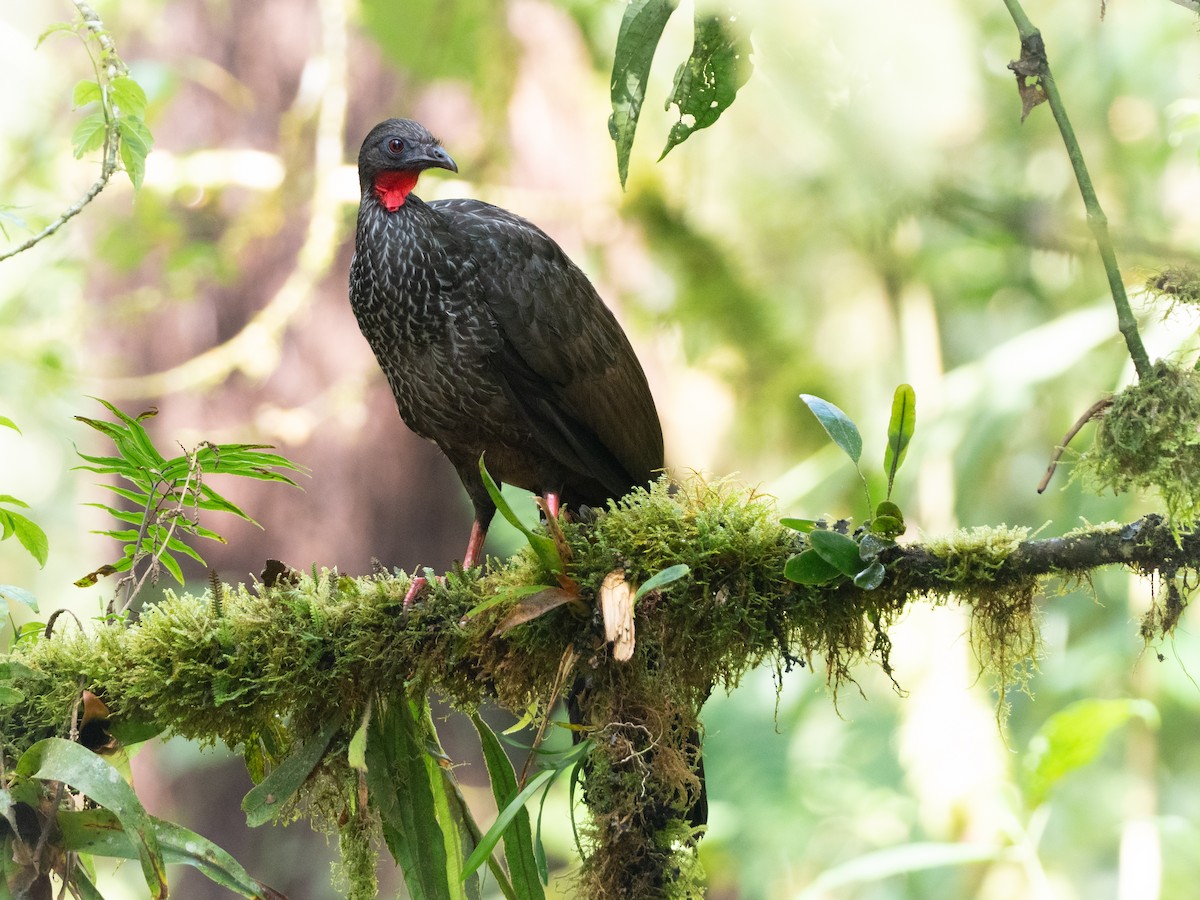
[(493, 341)]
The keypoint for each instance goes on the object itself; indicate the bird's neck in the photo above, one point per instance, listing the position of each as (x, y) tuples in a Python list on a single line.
[(393, 187)]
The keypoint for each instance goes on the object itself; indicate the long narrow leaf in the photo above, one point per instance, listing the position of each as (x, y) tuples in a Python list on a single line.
[(268, 797), (55, 759), (543, 547), (663, 578), (542, 779), (641, 29), (100, 833), (399, 787), (900, 431), (456, 834), (488, 843), (518, 839)]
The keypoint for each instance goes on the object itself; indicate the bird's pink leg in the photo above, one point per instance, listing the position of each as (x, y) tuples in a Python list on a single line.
[(474, 548), (414, 588), (474, 545), (552, 503)]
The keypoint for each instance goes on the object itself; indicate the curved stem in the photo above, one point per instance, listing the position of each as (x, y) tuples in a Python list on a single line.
[(92, 24), (1035, 81)]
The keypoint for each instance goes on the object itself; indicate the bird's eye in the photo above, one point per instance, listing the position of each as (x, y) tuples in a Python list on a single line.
[(395, 145)]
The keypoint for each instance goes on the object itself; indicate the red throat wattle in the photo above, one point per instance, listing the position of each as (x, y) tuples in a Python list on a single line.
[(393, 187)]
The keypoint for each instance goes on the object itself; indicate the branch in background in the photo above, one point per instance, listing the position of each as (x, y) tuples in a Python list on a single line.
[(92, 23), (1193, 5), (1036, 84), (261, 334)]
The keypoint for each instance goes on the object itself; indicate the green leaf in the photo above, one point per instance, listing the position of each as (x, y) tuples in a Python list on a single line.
[(507, 815), (900, 431), (871, 577), (136, 142), (666, 576), (543, 547), (89, 134), (523, 590), (54, 29), (802, 525), (127, 96), (870, 545), (86, 91), (837, 425), (518, 839), (839, 550), (459, 832), (356, 752), (100, 833), (172, 565), (83, 883), (6, 422), (887, 526), (542, 779), (55, 759), (641, 29), (133, 731), (1073, 737), (28, 532), (10, 695), (807, 567), (400, 791), (708, 81), (268, 796), (11, 592), (873, 868)]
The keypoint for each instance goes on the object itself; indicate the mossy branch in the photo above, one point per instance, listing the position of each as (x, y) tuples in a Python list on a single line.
[(225, 671), (269, 666), (1035, 82)]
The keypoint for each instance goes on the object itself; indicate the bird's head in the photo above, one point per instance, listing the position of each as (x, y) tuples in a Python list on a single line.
[(392, 157)]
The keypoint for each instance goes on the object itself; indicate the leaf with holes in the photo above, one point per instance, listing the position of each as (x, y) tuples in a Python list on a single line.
[(708, 81)]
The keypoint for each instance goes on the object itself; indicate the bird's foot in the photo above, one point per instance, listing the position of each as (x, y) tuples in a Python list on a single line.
[(419, 583), (415, 587)]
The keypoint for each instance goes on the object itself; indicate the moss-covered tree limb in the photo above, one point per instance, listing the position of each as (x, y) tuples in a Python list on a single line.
[(263, 668)]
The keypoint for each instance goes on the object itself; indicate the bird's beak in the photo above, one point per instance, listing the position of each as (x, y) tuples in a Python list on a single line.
[(436, 158)]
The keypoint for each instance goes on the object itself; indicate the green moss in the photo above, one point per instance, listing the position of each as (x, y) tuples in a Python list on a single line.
[(1149, 439), (265, 668), (1180, 284)]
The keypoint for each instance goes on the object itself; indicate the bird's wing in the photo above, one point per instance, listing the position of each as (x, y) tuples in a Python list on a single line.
[(569, 364)]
